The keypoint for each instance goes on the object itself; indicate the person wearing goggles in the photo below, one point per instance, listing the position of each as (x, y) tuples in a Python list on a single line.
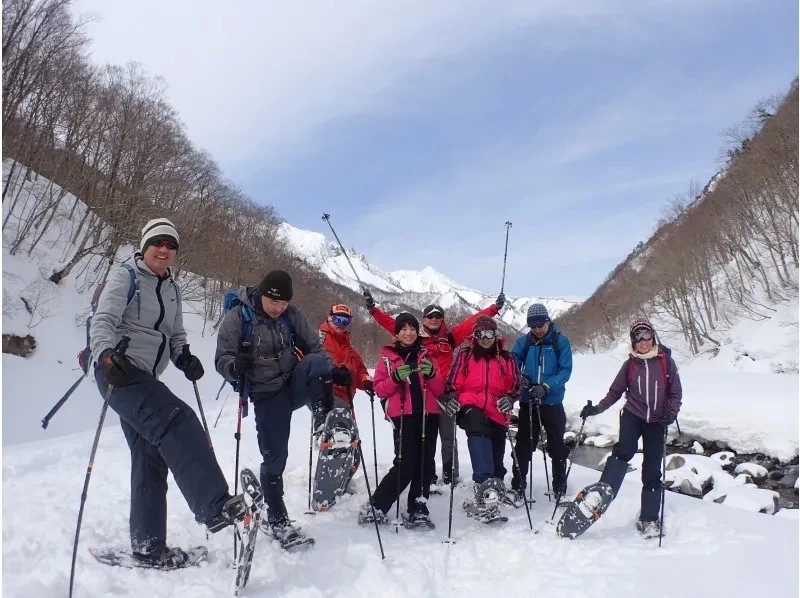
[(652, 386), (440, 341), (485, 385), (544, 356), (349, 372)]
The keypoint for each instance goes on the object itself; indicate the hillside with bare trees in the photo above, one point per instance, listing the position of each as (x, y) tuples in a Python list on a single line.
[(726, 252)]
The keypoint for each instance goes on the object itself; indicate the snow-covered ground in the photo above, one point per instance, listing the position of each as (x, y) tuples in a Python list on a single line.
[(710, 550)]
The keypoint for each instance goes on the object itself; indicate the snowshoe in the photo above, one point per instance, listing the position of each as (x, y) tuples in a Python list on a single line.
[(418, 521), (337, 462), (168, 559), (514, 498), (588, 506), (649, 529), (288, 536), (365, 516), (485, 505), (247, 527)]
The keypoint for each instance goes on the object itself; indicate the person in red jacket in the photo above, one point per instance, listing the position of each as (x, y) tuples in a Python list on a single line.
[(485, 384), (408, 383), (440, 342), (334, 334)]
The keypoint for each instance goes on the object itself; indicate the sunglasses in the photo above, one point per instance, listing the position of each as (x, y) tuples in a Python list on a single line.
[(485, 334), (538, 323), (434, 316), (642, 334), (166, 243), (340, 320)]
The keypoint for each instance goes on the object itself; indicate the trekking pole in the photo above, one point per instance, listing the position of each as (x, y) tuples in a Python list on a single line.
[(46, 419), (679, 427), (238, 437), (542, 436), (422, 465), (566, 477), (310, 461), (399, 465), (225, 402), (516, 463), (327, 218), (374, 442), (121, 348), (663, 486), (505, 257), (219, 392), (366, 477), (453, 487), (199, 403)]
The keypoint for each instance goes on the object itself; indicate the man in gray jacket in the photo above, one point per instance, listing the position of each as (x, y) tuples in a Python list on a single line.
[(163, 433), (285, 368)]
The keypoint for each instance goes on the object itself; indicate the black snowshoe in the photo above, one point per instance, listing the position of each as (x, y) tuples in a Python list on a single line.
[(485, 505), (337, 462)]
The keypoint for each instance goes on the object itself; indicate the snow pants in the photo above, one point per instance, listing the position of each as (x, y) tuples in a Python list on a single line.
[(631, 428), (408, 464), (486, 442), (555, 422), (309, 385), (163, 434)]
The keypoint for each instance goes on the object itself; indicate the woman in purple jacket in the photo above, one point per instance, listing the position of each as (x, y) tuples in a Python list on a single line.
[(650, 379)]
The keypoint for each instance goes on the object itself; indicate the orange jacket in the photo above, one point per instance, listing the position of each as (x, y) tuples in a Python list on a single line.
[(443, 343), (337, 345)]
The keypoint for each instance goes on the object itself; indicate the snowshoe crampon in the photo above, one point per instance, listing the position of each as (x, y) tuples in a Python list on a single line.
[(247, 528), (588, 506), (337, 462), (168, 560)]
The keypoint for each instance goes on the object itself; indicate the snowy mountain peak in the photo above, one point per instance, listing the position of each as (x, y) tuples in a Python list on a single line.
[(409, 287)]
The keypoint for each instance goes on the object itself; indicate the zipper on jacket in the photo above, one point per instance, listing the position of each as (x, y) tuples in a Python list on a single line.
[(160, 319), (647, 389), (655, 400), (639, 381), (486, 387)]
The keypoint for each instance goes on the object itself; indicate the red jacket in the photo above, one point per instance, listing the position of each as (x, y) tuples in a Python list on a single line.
[(393, 393), (481, 381), (442, 344), (337, 345)]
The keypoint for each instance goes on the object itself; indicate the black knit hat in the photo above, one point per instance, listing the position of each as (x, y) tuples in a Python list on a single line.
[(277, 284), (404, 318)]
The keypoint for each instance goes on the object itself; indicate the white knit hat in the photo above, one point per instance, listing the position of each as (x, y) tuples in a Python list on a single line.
[(158, 227)]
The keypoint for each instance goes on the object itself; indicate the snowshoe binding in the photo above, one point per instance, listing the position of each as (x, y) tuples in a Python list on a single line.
[(167, 559), (649, 529), (485, 505), (366, 517), (247, 527), (337, 462)]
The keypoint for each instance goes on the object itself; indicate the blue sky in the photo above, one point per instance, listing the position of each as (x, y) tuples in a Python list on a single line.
[(421, 128)]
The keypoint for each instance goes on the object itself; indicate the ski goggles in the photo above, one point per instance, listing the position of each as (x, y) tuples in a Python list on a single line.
[(341, 320), (485, 334), (642, 334)]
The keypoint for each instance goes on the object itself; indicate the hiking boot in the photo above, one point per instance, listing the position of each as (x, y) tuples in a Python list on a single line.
[(234, 509), (649, 529), (166, 558), (365, 515)]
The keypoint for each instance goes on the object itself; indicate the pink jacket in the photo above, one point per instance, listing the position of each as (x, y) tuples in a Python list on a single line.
[(480, 382), (394, 394)]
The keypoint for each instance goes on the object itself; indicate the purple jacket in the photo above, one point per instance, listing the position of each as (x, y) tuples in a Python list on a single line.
[(650, 392)]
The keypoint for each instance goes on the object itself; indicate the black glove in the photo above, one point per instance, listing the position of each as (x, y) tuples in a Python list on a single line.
[(369, 302), (449, 404), (243, 364), (525, 382), (341, 376), (115, 367), (505, 405), (501, 301), (190, 365), (589, 410), (667, 418), (368, 387), (537, 392)]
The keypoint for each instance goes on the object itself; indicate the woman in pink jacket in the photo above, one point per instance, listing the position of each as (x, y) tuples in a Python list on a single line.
[(485, 382), (408, 384)]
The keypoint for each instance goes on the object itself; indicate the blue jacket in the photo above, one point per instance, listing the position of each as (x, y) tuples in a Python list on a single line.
[(555, 372)]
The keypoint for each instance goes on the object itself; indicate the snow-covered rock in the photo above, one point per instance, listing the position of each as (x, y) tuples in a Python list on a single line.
[(634, 464), (725, 458), (757, 500), (601, 441), (757, 472), (690, 474), (697, 448), (743, 479), (569, 437)]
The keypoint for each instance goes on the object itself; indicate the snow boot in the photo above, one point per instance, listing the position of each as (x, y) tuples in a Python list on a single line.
[(649, 529), (167, 558), (232, 511), (365, 516), (485, 505), (418, 517)]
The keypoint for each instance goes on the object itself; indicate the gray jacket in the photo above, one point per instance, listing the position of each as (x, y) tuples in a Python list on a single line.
[(271, 341), (153, 320)]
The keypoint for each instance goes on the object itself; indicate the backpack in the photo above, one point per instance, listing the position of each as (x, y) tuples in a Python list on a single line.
[(230, 300), (662, 357), (84, 356)]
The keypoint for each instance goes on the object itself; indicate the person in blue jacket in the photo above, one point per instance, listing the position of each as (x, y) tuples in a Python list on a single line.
[(544, 356)]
